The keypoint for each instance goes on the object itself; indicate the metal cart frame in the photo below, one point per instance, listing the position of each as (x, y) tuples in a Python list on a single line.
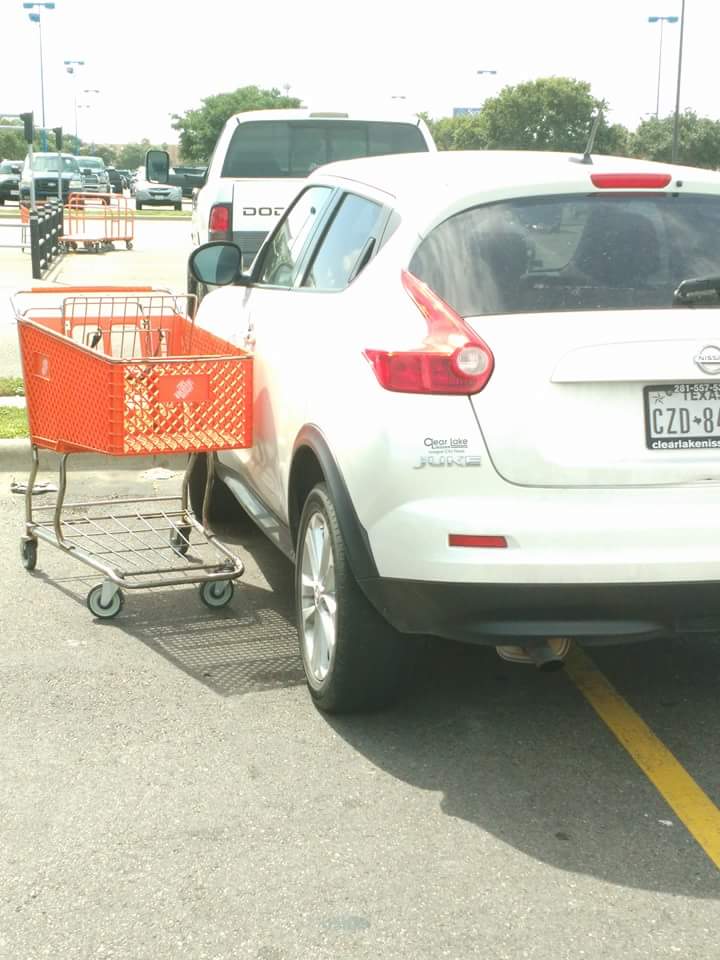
[(131, 547)]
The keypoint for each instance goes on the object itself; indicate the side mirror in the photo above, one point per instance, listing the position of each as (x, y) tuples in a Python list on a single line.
[(157, 166), (217, 264)]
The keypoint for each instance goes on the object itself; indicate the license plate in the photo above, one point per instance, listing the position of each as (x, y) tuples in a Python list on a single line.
[(683, 416), (14, 193)]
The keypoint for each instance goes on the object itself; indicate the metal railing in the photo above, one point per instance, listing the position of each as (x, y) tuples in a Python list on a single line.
[(46, 230)]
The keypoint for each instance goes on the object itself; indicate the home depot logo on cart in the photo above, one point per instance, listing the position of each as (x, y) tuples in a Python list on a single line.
[(195, 389)]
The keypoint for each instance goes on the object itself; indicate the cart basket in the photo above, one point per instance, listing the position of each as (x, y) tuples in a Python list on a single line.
[(128, 373)]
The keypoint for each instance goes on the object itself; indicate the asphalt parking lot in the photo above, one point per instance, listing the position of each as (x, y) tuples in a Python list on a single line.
[(167, 789)]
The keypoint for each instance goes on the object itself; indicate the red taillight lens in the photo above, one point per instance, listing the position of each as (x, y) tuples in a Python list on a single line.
[(220, 220), (451, 359), (630, 181)]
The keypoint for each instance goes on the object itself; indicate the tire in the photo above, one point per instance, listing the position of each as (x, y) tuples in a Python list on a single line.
[(138, 206), (178, 206), (28, 553), (128, 245), (180, 539), (103, 611), (352, 658), (222, 506), (2, 201), (217, 593)]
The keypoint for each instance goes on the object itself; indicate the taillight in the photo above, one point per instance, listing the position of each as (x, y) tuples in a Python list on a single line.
[(451, 359), (630, 181), (220, 226)]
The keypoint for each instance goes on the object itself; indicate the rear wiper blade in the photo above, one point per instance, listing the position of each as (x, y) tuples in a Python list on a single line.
[(697, 291)]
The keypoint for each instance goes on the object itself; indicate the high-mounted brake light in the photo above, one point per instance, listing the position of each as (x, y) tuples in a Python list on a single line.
[(451, 359), (220, 223), (630, 181)]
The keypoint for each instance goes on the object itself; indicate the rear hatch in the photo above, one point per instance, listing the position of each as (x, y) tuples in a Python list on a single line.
[(599, 379)]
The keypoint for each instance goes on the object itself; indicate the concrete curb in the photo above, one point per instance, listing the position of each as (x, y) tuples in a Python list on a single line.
[(15, 455)]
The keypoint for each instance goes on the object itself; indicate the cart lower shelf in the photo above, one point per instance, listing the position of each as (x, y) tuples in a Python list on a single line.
[(135, 543)]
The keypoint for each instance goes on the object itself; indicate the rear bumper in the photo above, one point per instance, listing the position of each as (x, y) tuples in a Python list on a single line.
[(507, 613)]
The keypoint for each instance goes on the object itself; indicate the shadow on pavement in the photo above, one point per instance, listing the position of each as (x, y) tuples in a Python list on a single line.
[(248, 646), (521, 755)]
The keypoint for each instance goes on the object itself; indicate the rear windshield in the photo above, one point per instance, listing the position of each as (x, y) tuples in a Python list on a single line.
[(6, 168), (52, 164), (282, 148), (571, 253)]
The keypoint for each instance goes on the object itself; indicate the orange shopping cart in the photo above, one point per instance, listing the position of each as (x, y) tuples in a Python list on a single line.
[(96, 221), (125, 372)]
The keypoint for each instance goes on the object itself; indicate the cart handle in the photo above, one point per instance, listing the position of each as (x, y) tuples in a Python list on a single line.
[(125, 289)]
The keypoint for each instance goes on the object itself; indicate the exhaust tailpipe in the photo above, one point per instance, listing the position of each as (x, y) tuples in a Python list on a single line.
[(547, 655)]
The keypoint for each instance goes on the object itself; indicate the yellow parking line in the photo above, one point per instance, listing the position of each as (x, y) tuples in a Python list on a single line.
[(693, 807)]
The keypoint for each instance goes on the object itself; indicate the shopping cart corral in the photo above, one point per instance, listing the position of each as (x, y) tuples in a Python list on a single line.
[(125, 372), (97, 221)]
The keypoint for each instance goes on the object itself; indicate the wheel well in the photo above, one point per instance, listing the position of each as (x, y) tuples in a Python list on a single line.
[(305, 473)]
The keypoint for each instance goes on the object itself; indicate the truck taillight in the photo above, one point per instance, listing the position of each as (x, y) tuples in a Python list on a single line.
[(220, 225), (451, 359)]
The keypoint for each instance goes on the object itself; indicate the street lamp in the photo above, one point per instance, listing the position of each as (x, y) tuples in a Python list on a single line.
[(35, 17), (91, 90), (676, 118), (662, 21), (70, 66)]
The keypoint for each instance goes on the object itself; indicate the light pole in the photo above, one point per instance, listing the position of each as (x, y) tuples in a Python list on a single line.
[(662, 21), (486, 73), (36, 18), (91, 90), (676, 118), (70, 66)]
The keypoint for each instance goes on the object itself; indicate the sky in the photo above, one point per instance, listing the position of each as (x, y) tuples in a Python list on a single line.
[(152, 59)]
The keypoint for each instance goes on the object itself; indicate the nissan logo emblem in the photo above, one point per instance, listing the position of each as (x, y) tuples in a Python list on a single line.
[(709, 359)]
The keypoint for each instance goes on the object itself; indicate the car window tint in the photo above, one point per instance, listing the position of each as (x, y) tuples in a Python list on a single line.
[(282, 148), (284, 250), (348, 238), (571, 253)]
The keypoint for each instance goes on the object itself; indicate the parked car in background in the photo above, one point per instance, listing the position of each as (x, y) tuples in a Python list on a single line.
[(187, 178), (94, 174), (543, 407), (127, 177), (155, 194), (9, 180), (117, 181), (45, 171)]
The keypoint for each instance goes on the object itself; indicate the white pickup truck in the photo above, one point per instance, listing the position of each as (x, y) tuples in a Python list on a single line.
[(262, 157)]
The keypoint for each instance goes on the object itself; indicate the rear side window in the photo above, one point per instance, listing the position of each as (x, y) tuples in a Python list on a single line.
[(571, 253), (348, 244), (282, 148)]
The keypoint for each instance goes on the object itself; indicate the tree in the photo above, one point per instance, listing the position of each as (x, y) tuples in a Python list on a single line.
[(199, 129), (12, 143), (107, 154), (554, 113), (132, 155), (698, 140)]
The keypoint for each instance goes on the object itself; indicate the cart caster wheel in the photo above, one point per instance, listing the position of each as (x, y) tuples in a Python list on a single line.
[(28, 552), (217, 593), (128, 245), (180, 540), (98, 609)]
